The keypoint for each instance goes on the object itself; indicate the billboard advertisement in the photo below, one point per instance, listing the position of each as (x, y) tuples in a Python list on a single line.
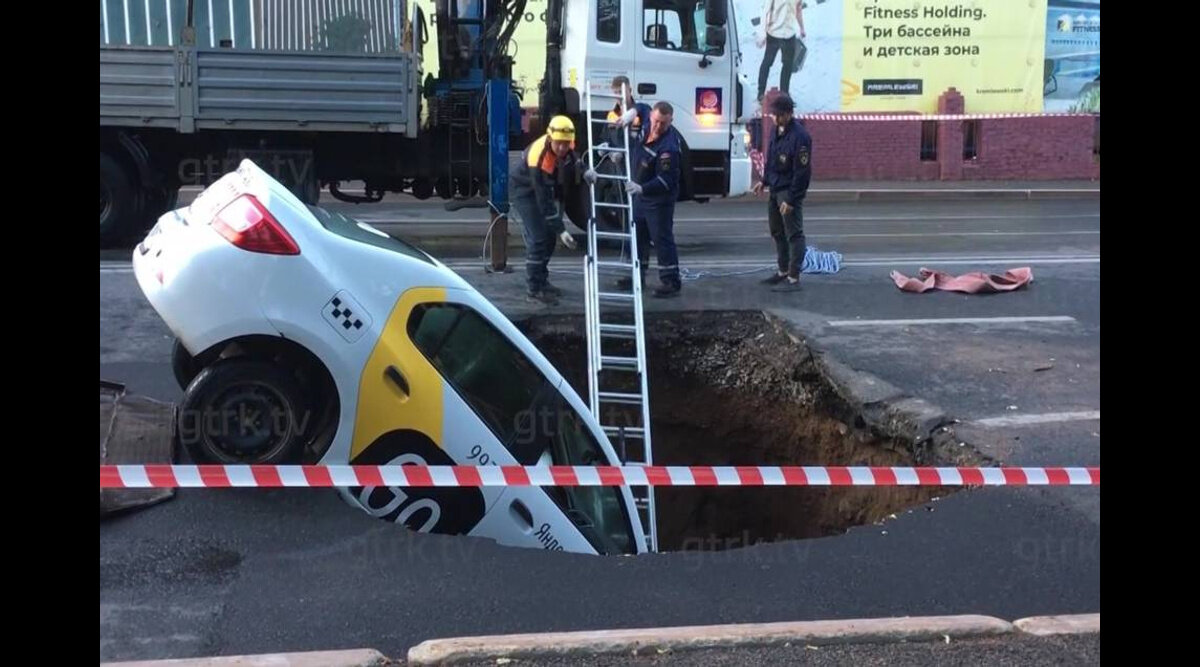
[(1004, 56)]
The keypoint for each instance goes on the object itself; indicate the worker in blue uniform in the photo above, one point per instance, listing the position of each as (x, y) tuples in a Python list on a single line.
[(787, 172), (654, 188)]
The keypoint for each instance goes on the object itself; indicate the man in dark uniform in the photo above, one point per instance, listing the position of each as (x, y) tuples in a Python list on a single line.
[(636, 115), (786, 173), (547, 164), (655, 187), (631, 116)]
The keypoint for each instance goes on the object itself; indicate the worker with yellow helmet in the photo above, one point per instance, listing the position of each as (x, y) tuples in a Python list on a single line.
[(547, 165)]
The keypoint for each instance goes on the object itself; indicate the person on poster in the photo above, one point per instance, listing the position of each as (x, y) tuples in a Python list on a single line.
[(781, 21)]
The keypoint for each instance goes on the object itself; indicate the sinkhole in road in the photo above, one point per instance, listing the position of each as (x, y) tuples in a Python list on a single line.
[(741, 388)]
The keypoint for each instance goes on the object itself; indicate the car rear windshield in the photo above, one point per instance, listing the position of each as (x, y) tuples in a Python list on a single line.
[(350, 228)]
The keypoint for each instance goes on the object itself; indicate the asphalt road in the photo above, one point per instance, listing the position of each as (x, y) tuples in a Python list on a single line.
[(245, 571)]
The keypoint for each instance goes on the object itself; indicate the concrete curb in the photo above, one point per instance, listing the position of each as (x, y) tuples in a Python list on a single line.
[(1043, 626), (352, 658), (998, 193), (651, 641), (942, 194)]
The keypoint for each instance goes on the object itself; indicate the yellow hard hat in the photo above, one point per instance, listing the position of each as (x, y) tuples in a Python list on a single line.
[(561, 129)]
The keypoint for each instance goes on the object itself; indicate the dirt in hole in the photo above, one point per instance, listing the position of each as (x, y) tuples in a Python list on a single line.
[(735, 388)]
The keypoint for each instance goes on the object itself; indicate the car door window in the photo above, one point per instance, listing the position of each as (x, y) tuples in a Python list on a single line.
[(528, 414), (599, 512), (498, 382)]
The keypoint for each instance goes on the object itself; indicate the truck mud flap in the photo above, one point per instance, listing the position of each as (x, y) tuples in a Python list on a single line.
[(134, 430)]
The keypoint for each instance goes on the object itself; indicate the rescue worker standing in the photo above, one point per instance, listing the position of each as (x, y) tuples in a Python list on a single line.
[(537, 183), (636, 116), (787, 172), (654, 189)]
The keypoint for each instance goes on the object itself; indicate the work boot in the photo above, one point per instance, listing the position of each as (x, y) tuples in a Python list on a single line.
[(775, 278), (541, 296), (627, 283), (552, 290), (666, 290), (792, 285)]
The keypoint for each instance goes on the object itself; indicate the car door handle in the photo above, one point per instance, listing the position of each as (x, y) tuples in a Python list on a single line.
[(397, 379), (522, 514), (647, 88)]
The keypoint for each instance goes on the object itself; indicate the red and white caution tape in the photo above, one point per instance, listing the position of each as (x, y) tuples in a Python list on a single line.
[(951, 117), (267, 476)]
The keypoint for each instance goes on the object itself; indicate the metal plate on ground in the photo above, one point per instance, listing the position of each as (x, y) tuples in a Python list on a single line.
[(134, 430)]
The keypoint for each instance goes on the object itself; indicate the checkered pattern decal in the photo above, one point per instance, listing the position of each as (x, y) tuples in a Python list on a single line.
[(347, 316)]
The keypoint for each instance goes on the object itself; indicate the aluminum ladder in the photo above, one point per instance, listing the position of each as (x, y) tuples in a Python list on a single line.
[(616, 341)]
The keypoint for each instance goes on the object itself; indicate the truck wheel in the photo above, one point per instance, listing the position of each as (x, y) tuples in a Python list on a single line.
[(422, 188), (155, 202), (161, 200), (442, 188), (578, 207), (241, 411), (118, 201)]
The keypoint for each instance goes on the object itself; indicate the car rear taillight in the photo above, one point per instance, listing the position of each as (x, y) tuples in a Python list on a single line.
[(250, 226)]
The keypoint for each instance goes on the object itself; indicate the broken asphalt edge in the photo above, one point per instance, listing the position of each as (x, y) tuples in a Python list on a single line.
[(866, 401)]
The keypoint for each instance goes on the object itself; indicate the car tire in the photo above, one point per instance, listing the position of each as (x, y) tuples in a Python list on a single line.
[(242, 411)]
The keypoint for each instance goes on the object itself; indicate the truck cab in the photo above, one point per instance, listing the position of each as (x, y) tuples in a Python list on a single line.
[(682, 51)]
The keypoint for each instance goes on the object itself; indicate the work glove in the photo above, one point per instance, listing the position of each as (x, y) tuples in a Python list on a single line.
[(633, 188)]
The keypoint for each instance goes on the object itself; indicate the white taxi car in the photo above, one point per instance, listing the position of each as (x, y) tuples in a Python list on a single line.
[(307, 337)]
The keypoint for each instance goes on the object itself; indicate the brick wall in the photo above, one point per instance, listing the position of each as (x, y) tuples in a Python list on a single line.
[(856, 150), (1034, 148)]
